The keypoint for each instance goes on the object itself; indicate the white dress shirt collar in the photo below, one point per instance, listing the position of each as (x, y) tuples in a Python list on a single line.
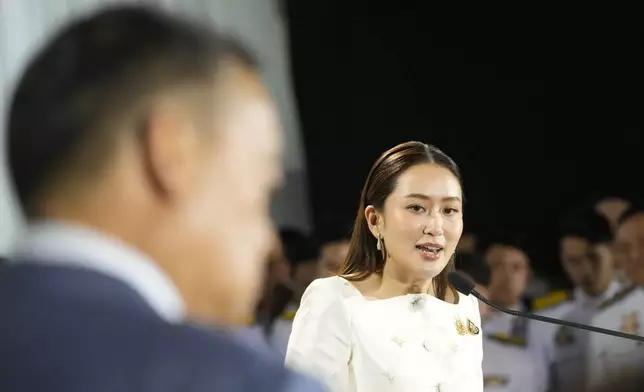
[(592, 302), (56, 243)]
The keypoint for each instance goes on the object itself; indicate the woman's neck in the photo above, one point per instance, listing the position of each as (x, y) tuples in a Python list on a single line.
[(392, 283)]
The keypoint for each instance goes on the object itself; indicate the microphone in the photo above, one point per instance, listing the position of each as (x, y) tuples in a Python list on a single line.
[(465, 286)]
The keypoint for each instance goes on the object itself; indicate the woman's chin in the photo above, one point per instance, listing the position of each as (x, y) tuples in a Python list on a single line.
[(430, 270)]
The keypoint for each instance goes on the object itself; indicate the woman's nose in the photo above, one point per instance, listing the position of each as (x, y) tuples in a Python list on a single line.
[(434, 226)]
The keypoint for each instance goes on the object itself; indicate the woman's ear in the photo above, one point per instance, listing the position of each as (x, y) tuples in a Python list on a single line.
[(373, 220)]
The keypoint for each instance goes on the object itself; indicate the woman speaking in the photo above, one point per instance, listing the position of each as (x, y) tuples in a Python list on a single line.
[(390, 321)]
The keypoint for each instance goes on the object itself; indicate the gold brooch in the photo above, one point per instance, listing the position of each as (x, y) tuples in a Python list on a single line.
[(460, 328), (472, 328), (398, 341)]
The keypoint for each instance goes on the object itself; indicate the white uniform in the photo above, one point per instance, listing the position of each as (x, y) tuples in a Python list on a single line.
[(408, 343), (561, 351), (507, 325), (508, 366), (507, 362), (611, 358)]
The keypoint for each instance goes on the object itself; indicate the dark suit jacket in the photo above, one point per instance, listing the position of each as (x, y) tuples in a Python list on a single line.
[(75, 330)]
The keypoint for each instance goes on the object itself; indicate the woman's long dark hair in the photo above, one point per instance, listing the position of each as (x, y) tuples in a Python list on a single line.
[(364, 259)]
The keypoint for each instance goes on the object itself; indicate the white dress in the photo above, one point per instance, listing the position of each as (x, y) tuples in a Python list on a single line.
[(414, 342)]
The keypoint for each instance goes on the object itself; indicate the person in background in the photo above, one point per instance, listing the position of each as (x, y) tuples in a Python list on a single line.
[(631, 382), (510, 272), (334, 248), (468, 258), (279, 269), (538, 286), (302, 254), (508, 365), (276, 285), (586, 257), (612, 208), (610, 358), (468, 244), (628, 244), (143, 150), (278, 273)]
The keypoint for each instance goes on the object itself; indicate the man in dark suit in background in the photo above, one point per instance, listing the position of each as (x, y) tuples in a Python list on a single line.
[(143, 150)]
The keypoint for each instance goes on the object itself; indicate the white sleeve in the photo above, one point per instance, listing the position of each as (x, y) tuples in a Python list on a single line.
[(320, 342)]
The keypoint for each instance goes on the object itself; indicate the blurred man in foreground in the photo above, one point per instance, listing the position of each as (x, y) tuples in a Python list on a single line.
[(143, 150)]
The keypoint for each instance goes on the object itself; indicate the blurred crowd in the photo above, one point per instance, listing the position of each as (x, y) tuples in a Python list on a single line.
[(601, 251), (296, 260)]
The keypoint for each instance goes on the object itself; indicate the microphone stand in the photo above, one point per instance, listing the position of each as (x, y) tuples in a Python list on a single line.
[(558, 322)]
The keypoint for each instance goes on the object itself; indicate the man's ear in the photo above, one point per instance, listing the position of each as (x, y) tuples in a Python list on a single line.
[(168, 141)]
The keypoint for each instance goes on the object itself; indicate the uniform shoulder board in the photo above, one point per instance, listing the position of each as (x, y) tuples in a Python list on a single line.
[(618, 296), (288, 315), (505, 339), (495, 381), (549, 300)]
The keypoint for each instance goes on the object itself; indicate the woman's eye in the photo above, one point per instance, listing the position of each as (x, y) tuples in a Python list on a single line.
[(450, 211), (416, 208)]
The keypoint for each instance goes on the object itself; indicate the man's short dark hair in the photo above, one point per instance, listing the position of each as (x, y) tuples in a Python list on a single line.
[(507, 238), (98, 70), (587, 224)]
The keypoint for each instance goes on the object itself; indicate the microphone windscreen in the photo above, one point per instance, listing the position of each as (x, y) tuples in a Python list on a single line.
[(462, 283)]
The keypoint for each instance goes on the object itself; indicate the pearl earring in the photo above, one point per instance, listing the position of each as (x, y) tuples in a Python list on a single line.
[(379, 243)]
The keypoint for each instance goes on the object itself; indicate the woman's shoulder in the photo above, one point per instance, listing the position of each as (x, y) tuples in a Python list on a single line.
[(330, 289), (326, 296)]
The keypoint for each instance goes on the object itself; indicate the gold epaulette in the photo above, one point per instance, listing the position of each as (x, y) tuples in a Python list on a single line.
[(503, 338), (549, 300), (618, 296), (288, 315), (495, 381)]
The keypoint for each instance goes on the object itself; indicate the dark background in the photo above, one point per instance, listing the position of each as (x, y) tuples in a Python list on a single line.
[(540, 112)]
